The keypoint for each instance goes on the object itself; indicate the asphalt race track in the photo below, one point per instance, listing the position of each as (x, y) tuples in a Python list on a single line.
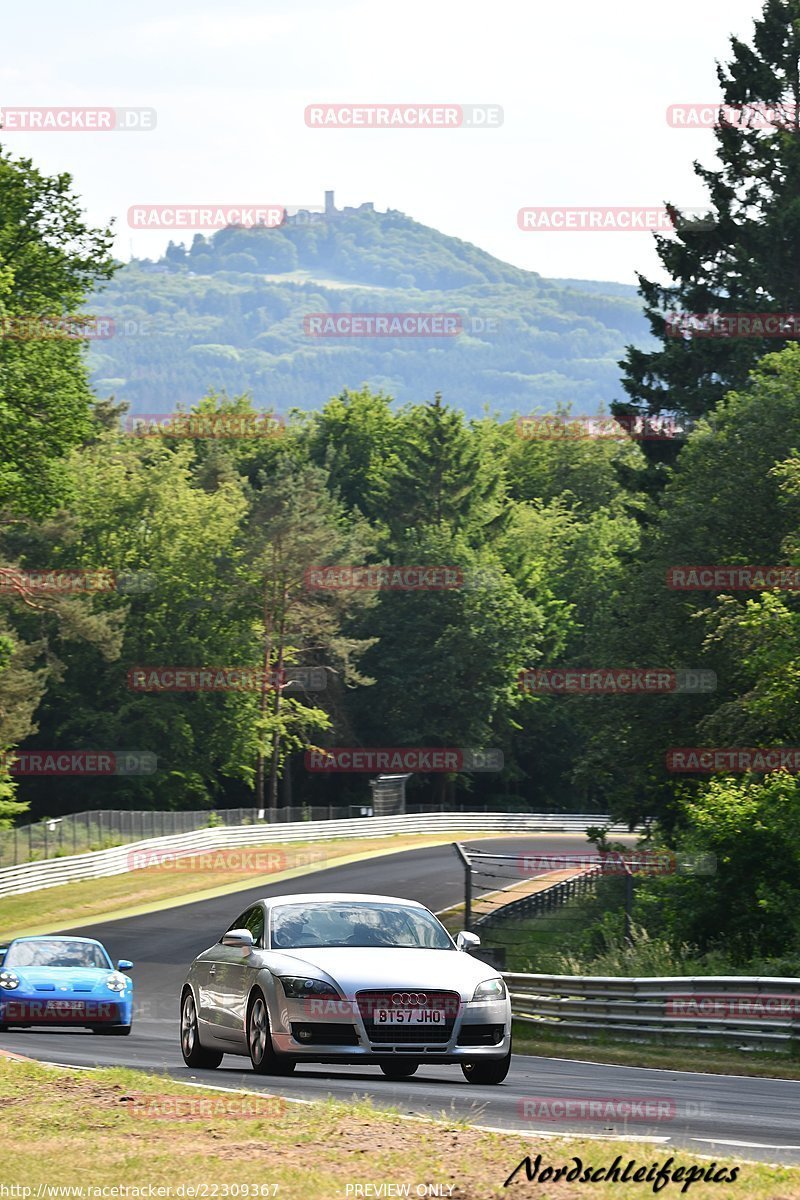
[(709, 1114)]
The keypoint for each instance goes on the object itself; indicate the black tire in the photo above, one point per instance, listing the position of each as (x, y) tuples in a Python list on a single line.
[(194, 1055), (398, 1070), (259, 1041), (487, 1070), (112, 1030)]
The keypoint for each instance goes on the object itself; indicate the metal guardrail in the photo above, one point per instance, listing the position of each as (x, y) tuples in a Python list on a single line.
[(30, 877), (756, 1012), (535, 903), (100, 829)]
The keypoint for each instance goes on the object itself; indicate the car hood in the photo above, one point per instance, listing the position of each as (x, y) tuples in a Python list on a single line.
[(58, 979), (356, 968)]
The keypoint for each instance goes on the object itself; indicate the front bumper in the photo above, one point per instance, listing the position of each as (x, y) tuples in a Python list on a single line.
[(350, 1040), (48, 1009)]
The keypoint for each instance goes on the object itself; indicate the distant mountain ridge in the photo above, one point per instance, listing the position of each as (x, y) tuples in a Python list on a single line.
[(231, 312)]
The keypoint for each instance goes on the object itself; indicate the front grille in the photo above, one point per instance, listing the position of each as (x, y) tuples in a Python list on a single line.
[(326, 1034), (389, 1034), (380, 1034), (480, 1035)]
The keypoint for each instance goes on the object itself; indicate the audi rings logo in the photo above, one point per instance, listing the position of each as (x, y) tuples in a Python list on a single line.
[(409, 999)]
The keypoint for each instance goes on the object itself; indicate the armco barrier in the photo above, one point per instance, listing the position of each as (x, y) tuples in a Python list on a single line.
[(763, 1012), (532, 904), (31, 877)]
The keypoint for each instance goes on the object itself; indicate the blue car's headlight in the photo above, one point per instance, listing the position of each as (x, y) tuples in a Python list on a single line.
[(9, 980), (117, 983), (490, 989), (297, 987)]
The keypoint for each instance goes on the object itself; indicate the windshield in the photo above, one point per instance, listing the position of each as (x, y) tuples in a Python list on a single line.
[(56, 952), (352, 924)]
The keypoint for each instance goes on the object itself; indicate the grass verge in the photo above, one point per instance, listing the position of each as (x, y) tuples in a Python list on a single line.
[(97, 1129), (197, 877), (716, 1060)]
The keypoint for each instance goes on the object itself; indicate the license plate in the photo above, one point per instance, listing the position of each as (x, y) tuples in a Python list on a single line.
[(46, 1010), (409, 1016)]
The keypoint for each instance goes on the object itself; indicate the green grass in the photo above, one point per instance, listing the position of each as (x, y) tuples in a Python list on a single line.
[(103, 1128), (715, 1060)]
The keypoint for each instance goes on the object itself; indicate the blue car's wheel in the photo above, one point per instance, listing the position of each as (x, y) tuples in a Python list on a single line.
[(194, 1055)]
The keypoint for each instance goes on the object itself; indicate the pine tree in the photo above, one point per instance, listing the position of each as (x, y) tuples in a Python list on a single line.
[(439, 477), (749, 261)]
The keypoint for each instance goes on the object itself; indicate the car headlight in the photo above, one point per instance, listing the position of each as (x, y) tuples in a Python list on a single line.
[(490, 989), (116, 983), (9, 980), (297, 987)]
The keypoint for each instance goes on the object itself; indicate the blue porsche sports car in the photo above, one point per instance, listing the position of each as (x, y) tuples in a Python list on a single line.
[(64, 980)]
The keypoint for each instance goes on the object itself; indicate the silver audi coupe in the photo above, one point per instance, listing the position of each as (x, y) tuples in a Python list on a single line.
[(345, 978)]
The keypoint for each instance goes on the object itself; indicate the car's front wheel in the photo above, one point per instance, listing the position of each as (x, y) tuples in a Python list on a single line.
[(487, 1070), (259, 1042), (398, 1070), (194, 1055)]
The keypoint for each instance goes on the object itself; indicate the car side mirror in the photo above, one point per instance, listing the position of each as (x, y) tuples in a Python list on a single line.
[(124, 964), (242, 938), (467, 941)]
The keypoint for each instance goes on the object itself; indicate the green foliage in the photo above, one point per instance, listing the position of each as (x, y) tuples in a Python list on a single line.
[(49, 262), (526, 342), (750, 908), (746, 262)]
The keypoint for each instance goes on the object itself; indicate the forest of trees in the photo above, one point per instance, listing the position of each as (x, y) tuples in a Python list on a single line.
[(564, 545)]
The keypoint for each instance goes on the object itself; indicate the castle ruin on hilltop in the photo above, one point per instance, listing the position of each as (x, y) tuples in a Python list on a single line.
[(306, 216)]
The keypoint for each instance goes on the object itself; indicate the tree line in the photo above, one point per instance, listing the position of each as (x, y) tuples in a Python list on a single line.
[(565, 541)]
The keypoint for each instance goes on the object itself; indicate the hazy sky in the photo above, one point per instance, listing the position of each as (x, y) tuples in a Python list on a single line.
[(584, 87)]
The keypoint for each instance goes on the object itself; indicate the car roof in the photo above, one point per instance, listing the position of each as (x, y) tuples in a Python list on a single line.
[(57, 937), (337, 897)]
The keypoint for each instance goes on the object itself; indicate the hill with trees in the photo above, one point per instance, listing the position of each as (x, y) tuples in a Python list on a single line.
[(229, 312)]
